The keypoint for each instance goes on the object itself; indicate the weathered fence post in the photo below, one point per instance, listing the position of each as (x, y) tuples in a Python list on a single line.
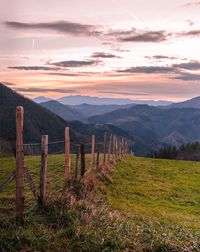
[(19, 164), (93, 151), (104, 148), (82, 150), (113, 148), (76, 166), (43, 171), (67, 155), (110, 147), (116, 147)]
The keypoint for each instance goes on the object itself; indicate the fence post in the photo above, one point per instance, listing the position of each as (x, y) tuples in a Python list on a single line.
[(82, 150), (93, 151), (43, 171), (76, 166), (104, 148), (113, 148), (19, 164), (122, 147), (67, 155), (110, 147), (116, 147)]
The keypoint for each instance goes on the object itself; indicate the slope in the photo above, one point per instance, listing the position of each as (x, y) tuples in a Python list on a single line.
[(156, 125), (64, 111)]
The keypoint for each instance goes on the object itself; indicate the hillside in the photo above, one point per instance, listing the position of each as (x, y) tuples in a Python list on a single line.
[(141, 205), (192, 103), (41, 99), (156, 125), (64, 111), (39, 120), (88, 110)]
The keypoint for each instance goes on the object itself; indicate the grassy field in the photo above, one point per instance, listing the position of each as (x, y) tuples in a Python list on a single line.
[(140, 205)]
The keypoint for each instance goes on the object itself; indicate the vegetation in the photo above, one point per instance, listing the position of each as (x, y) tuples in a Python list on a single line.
[(155, 126), (141, 205), (190, 151), (39, 121)]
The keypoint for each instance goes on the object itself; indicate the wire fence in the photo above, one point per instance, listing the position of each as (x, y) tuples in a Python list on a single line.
[(37, 171), (7, 184)]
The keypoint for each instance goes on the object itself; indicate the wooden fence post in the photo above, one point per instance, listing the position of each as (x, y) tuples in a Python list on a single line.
[(110, 147), (93, 151), (104, 148), (122, 147), (43, 171), (67, 156), (19, 164), (82, 150), (116, 147), (76, 166), (113, 148)]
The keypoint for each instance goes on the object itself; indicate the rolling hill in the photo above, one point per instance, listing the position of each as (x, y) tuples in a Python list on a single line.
[(192, 103), (156, 126), (88, 110), (64, 111), (39, 120)]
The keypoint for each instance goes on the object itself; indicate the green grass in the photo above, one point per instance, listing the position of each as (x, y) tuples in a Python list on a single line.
[(55, 179), (158, 189), (140, 205)]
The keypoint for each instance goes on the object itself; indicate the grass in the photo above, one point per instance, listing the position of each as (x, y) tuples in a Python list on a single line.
[(141, 205), (158, 189)]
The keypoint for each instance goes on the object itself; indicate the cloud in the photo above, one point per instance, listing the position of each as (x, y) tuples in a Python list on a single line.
[(124, 93), (135, 35), (161, 57), (79, 29), (148, 69), (189, 4), (65, 74), (192, 65), (66, 27), (75, 63), (104, 55), (146, 36), (34, 68), (44, 90), (187, 77), (191, 33)]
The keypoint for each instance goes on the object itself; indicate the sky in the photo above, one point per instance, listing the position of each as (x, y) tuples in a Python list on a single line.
[(134, 49)]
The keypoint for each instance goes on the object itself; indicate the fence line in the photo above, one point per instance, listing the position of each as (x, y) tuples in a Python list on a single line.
[(63, 160)]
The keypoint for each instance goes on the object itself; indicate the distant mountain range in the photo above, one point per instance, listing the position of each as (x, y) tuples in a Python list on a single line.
[(80, 112), (155, 126), (192, 103), (146, 127), (64, 111), (39, 120), (41, 99), (79, 99)]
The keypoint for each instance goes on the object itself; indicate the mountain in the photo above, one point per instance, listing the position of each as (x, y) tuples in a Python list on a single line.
[(39, 120), (79, 99), (64, 111), (40, 99), (155, 126), (192, 103), (88, 110)]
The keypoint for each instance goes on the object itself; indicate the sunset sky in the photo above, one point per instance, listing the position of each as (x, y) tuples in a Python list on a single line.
[(134, 49)]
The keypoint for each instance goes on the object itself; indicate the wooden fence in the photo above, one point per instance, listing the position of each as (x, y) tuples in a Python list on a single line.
[(112, 148)]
